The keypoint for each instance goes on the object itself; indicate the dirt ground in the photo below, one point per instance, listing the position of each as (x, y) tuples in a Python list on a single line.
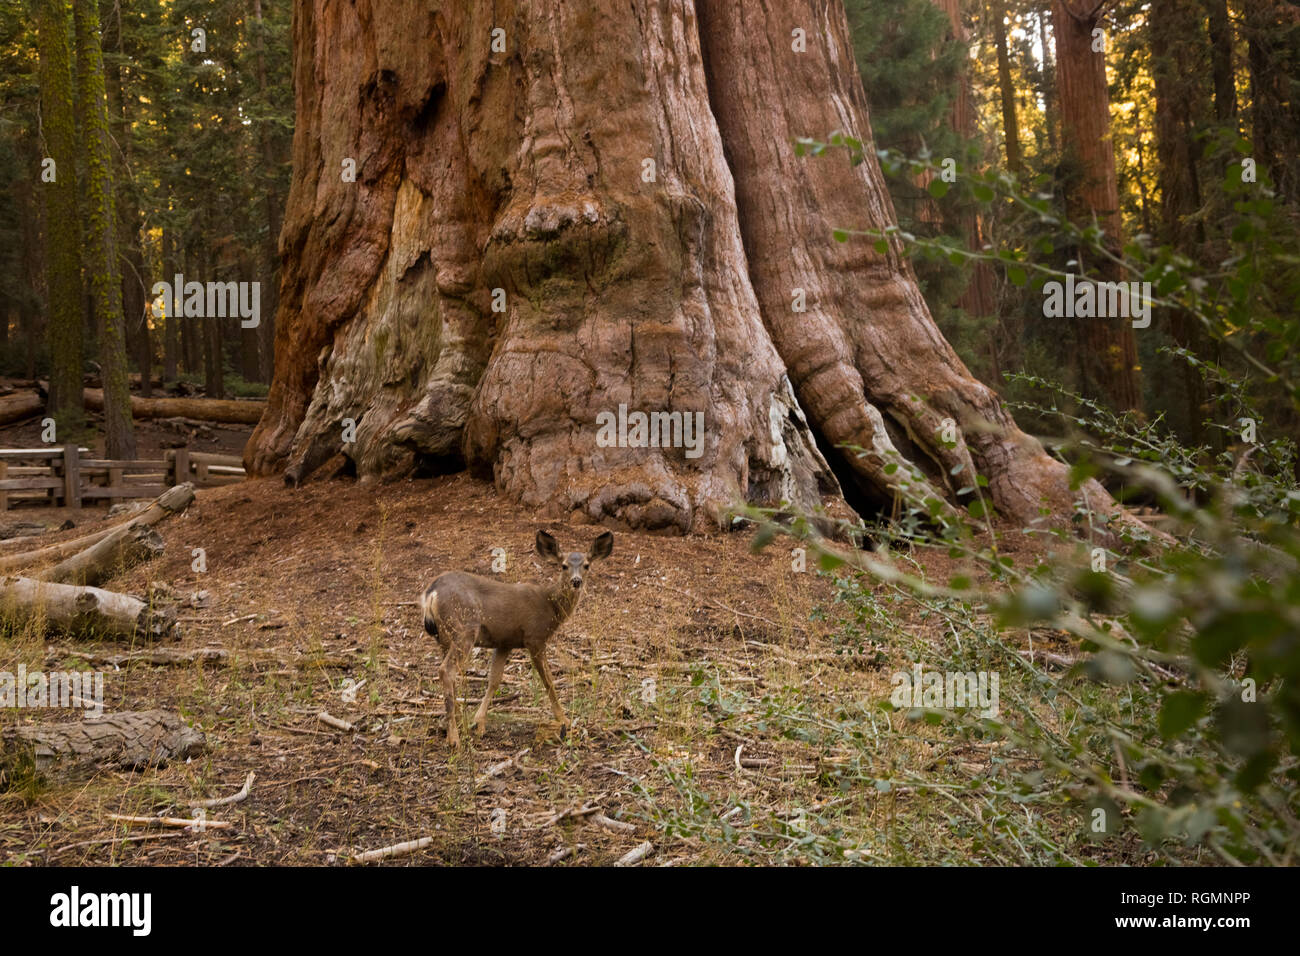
[(726, 704), (313, 588)]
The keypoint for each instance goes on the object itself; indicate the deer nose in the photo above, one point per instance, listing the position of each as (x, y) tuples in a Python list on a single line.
[(577, 582)]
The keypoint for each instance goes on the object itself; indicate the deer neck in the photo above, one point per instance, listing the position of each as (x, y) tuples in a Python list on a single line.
[(563, 599)]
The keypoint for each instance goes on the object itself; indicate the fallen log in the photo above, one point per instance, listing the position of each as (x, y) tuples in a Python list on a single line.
[(202, 409), (125, 548), (130, 740), (20, 405), (159, 656), (170, 502), (84, 611)]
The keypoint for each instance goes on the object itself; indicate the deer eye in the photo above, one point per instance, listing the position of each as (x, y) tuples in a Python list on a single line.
[(586, 565)]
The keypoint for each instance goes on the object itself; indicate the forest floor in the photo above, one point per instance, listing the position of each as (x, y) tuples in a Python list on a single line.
[(725, 706)]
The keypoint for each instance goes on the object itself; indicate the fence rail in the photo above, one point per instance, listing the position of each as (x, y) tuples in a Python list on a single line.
[(66, 475)]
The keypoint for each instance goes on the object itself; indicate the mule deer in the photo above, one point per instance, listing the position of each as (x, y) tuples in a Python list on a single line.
[(465, 610)]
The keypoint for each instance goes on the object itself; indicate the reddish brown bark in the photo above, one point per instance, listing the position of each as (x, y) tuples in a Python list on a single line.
[(524, 170), (1177, 70), (1108, 349)]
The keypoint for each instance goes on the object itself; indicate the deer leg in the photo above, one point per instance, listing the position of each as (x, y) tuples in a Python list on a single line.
[(449, 673), (544, 672), (499, 657)]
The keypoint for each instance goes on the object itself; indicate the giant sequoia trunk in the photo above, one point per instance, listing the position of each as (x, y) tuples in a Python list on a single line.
[(625, 174)]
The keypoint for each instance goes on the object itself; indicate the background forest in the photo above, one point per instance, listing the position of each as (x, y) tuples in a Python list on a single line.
[(200, 126)]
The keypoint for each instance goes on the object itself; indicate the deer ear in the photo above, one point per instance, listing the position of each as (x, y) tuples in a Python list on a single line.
[(547, 547), (602, 547)]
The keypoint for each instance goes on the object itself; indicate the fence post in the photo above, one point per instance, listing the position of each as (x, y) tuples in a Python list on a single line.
[(4, 495), (71, 476), (181, 466)]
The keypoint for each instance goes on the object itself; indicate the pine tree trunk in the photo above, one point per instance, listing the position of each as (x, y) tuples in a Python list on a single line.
[(625, 175), (191, 346), (977, 298), (1225, 87), (1006, 90), (1272, 29), (250, 360), (1051, 98), (271, 205), (210, 329), (101, 239), (132, 266), (171, 323), (1176, 38), (33, 260), (1108, 349), (63, 239)]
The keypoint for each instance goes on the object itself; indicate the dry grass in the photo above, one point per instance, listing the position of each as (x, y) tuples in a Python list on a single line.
[(724, 705)]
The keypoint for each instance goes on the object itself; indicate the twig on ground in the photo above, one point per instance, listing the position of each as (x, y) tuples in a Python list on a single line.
[(388, 852), (635, 855), (618, 826), (325, 717), (186, 822), (499, 768), (162, 835), (239, 797), (564, 852)]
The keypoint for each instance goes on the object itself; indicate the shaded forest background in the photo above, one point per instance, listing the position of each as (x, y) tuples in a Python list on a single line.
[(200, 144)]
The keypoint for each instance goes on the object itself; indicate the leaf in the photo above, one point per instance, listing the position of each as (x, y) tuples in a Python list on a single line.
[(1110, 667), (764, 537), (1243, 727), (1179, 712), (829, 562), (938, 188)]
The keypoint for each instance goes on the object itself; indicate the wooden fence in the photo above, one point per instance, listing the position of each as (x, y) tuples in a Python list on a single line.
[(66, 476)]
